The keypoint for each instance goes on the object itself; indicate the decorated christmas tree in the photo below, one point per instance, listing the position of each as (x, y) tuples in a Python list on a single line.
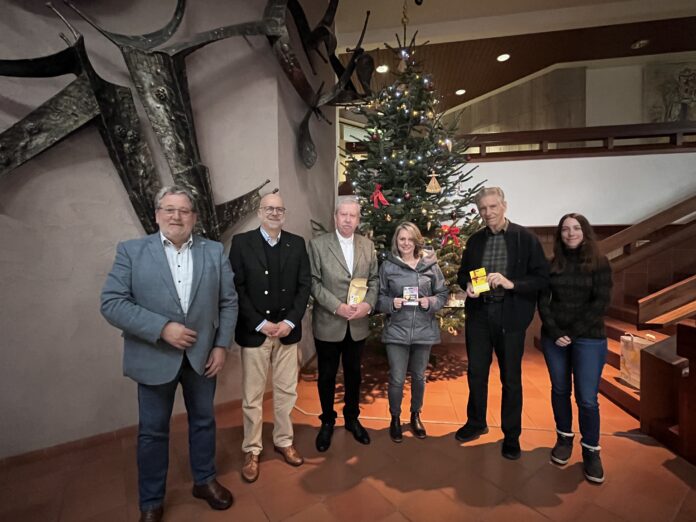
[(411, 169)]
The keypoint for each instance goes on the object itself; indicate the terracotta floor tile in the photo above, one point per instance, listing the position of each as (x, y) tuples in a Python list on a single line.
[(361, 502), (595, 513), (281, 502), (512, 510), (45, 511), (428, 506), (314, 513), (83, 501)]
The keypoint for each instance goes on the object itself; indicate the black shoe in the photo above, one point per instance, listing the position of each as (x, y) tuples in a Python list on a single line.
[(511, 449), (560, 454), (359, 433), (592, 465), (323, 441), (395, 429), (469, 432), (417, 426)]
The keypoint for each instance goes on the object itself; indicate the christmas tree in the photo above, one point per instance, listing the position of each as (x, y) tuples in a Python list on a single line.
[(411, 169)]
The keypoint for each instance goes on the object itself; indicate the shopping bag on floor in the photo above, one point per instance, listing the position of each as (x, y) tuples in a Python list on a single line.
[(631, 346)]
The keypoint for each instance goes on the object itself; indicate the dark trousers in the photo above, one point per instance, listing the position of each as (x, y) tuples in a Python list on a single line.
[(580, 365), (328, 355), (485, 334), (155, 408)]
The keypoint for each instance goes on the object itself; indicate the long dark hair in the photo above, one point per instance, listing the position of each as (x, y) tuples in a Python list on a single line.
[(588, 251)]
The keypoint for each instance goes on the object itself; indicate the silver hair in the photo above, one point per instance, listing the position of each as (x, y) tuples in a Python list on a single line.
[(489, 191), (346, 200), (174, 190)]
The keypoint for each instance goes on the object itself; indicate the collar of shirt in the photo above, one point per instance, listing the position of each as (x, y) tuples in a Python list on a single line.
[(267, 237), (502, 230), (166, 242), (348, 241)]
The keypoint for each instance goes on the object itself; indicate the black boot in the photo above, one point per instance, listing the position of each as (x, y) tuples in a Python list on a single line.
[(560, 454), (592, 465), (417, 426), (395, 429)]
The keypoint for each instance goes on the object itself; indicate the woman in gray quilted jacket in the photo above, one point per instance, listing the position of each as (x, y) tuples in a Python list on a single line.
[(412, 289)]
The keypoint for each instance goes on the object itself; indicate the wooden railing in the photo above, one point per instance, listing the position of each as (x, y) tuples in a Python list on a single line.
[(627, 239), (669, 305), (576, 142)]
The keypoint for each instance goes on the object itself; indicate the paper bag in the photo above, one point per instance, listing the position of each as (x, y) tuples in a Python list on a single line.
[(631, 347), (357, 290)]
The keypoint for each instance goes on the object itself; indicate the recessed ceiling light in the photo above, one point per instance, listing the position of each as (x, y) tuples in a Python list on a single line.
[(503, 57), (382, 68), (639, 44), (459, 92)]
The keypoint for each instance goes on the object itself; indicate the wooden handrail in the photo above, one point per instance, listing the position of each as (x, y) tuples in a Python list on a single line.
[(683, 234), (641, 230), (606, 134), (666, 300)]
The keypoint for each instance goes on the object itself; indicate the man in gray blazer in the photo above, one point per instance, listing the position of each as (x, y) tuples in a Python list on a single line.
[(173, 296), (340, 329)]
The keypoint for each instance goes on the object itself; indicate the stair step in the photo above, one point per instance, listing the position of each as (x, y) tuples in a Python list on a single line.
[(615, 389), (616, 328)]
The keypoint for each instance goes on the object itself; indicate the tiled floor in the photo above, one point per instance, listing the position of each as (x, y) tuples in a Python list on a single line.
[(435, 479)]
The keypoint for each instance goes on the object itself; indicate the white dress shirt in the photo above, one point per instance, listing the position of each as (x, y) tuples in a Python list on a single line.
[(347, 248), (181, 266)]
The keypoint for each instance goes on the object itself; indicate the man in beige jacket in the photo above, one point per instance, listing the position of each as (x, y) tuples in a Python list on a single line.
[(340, 329)]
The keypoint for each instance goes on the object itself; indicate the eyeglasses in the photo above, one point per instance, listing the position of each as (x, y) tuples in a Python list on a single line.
[(170, 211), (270, 210)]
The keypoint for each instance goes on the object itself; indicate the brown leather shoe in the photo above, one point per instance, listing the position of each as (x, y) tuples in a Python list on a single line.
[(291, 455), (152, 515), (215, 494), (250, 469)]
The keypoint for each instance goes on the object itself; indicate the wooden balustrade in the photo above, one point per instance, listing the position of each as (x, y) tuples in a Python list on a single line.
[(602, 140)]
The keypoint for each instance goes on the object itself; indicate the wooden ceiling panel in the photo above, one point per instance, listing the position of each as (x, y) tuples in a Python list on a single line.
[(472, 64)]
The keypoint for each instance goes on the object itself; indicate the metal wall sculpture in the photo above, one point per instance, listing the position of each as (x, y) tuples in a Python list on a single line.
[(160, 80), (86, 99)]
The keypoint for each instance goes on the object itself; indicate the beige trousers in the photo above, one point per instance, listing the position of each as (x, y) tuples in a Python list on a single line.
[(255, 363)]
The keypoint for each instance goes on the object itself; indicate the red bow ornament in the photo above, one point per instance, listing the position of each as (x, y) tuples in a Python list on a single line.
[(377, 197), (450, 233)]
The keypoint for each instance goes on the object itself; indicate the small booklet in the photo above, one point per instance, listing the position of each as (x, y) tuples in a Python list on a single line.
[(357, 290), (410, 296), (478, 280)]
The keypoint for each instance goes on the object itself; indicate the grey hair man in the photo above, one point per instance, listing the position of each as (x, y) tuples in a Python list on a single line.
[(172, 295), (271, 274), (496, 320), (342, 325)]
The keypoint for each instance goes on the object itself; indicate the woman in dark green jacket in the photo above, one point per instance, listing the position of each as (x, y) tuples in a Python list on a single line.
[(412, 289)]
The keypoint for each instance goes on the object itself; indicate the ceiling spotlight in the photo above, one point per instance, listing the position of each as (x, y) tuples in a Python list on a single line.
[(503, 57), (639, 44), (382, 68), (459, 92)]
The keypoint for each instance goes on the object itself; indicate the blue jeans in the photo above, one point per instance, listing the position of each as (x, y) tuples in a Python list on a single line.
[(402, 357), (579, 364), (155, 409)]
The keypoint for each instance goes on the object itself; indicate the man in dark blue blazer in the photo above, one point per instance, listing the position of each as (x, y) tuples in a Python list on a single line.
[(172, 295), (272, 276)]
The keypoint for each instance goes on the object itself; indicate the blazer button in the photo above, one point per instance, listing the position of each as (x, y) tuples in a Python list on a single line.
[(266, 272), (268, 312), (265, 292), (282, 290)]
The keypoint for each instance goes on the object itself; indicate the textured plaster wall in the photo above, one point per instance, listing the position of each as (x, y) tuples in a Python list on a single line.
[(62, 213)]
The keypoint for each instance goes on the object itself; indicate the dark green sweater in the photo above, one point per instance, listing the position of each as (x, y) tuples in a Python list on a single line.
[(576, 301)]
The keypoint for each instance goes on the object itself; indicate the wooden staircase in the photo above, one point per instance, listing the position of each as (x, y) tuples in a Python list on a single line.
[(663, 300)]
